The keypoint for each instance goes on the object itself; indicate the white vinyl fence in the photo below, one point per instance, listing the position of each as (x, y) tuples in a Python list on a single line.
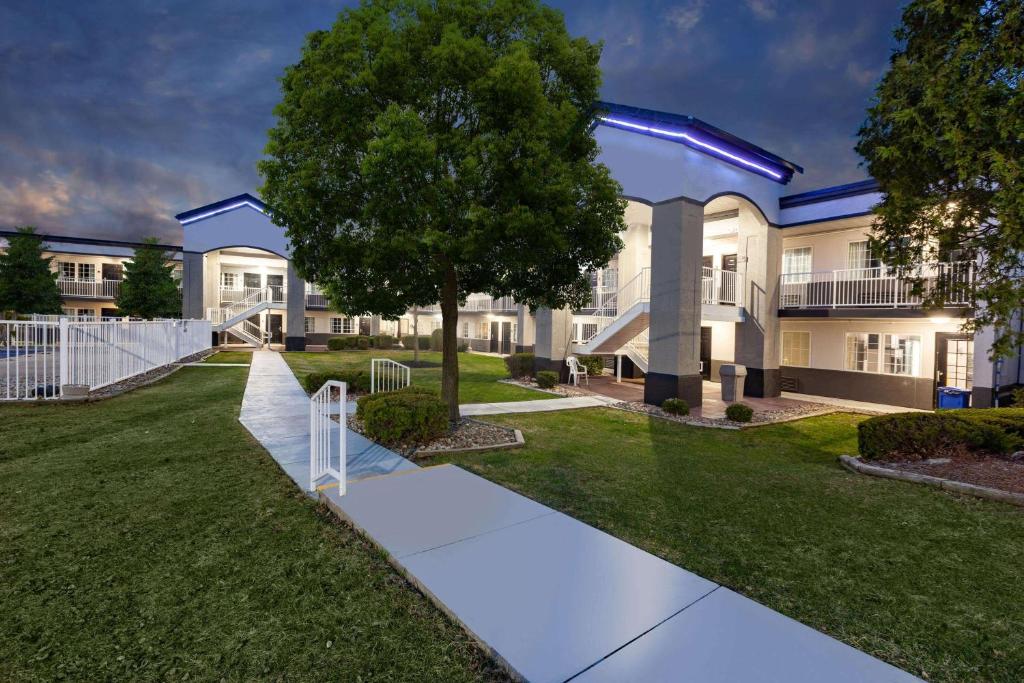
[(388, 375), (327, 434), (38, 358)]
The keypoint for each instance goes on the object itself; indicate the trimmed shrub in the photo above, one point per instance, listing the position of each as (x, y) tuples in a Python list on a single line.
[(1017, 396), (404, 417), (408, 341), (593, 364), (519, 364), (676, 406), (739, 412), (547, 379), (463, 347), (436, 340), (339, 343), (358, 381), (362, 343), (913, 436), (382, 341), (364, 401)]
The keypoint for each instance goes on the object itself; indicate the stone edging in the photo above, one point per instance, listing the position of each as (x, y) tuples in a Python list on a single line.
[(859, 466), (622, 406), (519, 442)]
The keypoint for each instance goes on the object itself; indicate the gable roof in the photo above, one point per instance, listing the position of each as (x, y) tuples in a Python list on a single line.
[(826, 194), (224, 205), (698, 135)]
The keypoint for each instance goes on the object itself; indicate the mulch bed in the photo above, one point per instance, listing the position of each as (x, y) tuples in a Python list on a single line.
[(468, 433), (759, 418), (557, 390), (1001, 473)]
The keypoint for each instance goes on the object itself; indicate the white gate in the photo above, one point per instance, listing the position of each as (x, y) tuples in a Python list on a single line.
[(327, 436), (388, 375)]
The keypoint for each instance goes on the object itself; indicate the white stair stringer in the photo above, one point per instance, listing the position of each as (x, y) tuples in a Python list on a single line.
[(619, 331)]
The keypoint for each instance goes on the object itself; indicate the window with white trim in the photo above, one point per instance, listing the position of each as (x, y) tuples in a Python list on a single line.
[(796, 348), (796, 264), (901, 354), (67, 271), (349, 325), (483, 330), (308, 325), (337, 325), (229, 280), (465, 330), (862, 351), (86, 313), (87, 272), (860, 258)]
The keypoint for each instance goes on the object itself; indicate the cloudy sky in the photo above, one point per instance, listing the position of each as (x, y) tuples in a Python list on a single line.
[(114, 116)]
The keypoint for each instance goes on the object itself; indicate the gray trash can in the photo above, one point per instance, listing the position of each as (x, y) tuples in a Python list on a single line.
[(733, 378)]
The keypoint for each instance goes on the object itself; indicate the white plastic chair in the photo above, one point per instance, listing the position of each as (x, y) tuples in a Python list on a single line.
[(576, 371)]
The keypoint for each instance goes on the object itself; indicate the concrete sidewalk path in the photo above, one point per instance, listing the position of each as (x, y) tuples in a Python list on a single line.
[(538, 406), (275, 410), (556, 600)]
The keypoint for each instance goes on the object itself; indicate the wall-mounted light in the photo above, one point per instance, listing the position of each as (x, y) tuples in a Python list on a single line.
[(693, 141)]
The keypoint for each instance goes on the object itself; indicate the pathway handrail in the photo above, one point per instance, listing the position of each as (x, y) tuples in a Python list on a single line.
[(327, 436), (388, 375), (636, 290)]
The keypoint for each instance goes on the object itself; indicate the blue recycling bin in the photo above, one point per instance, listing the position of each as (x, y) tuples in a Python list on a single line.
[(953, 397)]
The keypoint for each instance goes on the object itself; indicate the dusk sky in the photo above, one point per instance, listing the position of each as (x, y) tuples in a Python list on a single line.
[(117, 115)]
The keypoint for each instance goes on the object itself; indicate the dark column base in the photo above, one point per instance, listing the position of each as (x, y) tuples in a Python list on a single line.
[(658, 387), (294, 343), (555, 365), (630, 370), (215, 341), (763, 383), (524, 348)]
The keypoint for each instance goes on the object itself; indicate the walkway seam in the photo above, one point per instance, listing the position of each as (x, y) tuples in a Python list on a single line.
[(480, 535)]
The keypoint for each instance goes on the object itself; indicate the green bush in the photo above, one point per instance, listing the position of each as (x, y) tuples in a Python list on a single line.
[(358, 381), (362, 343), (547, 379), (945, 432), (340, 343), (436, 340), (593, 364), (409, 341), (519, 364), (364, 401), (1017, 396), (739, 412), (382, 341), (675, 406), (463, 347), (404, 417)]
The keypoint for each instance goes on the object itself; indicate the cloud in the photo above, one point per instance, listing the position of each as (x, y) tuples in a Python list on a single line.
[(686, 16), (763, 9), (862, 76), (25, 202)]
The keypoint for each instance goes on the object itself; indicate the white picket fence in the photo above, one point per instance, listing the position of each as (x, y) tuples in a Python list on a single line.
[(38, 358), (388, 375), (327, 435)]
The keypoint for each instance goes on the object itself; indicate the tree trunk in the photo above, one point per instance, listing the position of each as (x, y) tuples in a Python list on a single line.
[(449, 344), (415, 336)]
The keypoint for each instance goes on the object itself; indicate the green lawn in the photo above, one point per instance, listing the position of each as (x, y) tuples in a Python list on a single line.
[(929, 581), (478, 375), (148, 537), (230, 357)]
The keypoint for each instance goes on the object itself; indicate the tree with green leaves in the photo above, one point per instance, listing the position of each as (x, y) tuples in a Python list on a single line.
[(28, 283), (945, 140), (428, 149), (149, 289)]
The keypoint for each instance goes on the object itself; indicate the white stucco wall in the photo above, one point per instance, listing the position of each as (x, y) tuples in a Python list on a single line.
[(241, 227)]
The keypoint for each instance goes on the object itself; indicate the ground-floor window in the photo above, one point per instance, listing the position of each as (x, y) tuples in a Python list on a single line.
[(796, 348), (465, 330), (350, 325), (336, 325), (890, 354), (309, 325), (86, 313), (482, 330)]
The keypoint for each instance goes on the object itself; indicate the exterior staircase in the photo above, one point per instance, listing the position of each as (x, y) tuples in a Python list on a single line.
[(234, 318)]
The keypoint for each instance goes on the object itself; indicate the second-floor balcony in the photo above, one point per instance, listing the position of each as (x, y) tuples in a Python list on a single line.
[(880, 287), (230, 295), (478, 302), (89, 289)]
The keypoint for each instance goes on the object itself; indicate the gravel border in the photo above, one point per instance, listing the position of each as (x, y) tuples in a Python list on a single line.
[(760, 419), (514, 440), (517, 442), (857, 465), (557, 390)]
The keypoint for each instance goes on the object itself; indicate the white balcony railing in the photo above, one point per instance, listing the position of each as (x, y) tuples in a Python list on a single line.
[(89, 289), (230, 295), (879, 287), (719, 286)]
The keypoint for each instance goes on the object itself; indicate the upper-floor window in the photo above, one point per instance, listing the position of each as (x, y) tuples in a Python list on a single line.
[(796, 264), (112, 271), (67, 269), (87, 272), (859, 258), (229, 280)]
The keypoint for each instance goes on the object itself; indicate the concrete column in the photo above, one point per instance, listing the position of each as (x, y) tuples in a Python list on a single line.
[(525, 332), (295, 325), (192, 286), (759, 252), (211, 281), (677, 247), (553, 339)]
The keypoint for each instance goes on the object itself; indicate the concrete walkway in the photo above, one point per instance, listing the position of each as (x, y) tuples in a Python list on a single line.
[(550, 597), (275, 410), (537, 406)]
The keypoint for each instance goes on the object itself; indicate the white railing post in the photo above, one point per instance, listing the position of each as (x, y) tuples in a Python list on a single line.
[(64, 353)]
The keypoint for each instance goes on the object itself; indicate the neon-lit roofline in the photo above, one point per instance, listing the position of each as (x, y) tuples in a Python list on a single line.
[(697, 142), (223, 209)]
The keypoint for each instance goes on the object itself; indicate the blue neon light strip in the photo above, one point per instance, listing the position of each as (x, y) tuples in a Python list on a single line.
[(679, 135)]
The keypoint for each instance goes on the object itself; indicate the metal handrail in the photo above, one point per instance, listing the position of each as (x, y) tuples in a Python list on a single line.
[(877, 287), (388, 375)]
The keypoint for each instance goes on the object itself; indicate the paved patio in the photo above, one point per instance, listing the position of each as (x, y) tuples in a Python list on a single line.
[(552, 598)]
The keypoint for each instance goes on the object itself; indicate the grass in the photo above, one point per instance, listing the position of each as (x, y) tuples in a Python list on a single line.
[(926, 580), (149, 537), (478, 375), (230, 357)]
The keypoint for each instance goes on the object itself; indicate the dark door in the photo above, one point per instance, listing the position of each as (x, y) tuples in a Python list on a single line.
[(506, 338), (364, 326), (705, 352), (494, 336), (276, 332), (251, 280), (276, 284), (954, 360), (112, 271)]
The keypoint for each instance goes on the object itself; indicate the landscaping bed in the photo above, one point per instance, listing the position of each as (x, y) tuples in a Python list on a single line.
[(1003, 474), (467, 435), (762, 417)]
